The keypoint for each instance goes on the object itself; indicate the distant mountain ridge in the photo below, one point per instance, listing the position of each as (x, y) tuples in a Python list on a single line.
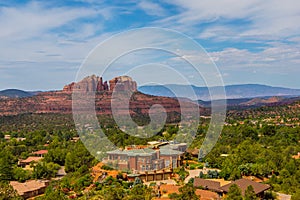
[(246, 91), (232, 91), (15, 93)]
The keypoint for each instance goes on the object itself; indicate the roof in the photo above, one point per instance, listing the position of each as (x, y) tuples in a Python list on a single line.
[(133, 152), (297, 156), (207, 184), (31, 159), (193, 151), (174, 146), (204, 194), (170, 188), (61, 171), (244, 183), (40, 152), (164, 151), (207, 195), (28, 186)]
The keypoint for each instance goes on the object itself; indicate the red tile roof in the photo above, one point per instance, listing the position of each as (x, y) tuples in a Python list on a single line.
[(31, 159), (40, 152), (297, 156)]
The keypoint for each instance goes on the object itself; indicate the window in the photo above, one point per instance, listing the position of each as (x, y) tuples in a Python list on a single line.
[(167, 163)]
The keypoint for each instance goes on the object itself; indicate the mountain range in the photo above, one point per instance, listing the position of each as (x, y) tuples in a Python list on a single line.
[(232, 91), (15, 93), (245, 92)]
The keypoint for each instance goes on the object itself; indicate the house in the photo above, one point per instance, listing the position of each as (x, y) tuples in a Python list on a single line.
[(40, 153), (145, 158), (164, 190), (30, 188), (208, 185), (259, 188), (7, 137), (297, 156), (61, 172), (29, 160)]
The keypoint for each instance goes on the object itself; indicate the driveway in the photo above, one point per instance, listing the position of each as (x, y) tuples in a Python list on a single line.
[(193, 173)]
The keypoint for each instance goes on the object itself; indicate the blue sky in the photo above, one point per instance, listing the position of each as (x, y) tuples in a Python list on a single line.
[(43, 43)]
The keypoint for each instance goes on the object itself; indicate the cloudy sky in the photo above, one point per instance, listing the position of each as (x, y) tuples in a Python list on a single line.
[(43, 43)]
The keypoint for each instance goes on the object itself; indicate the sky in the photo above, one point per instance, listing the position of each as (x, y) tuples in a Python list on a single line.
[(44, 43)]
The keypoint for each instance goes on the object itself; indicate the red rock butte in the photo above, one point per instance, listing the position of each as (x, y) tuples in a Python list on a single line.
[(61, 101), (95, 83)]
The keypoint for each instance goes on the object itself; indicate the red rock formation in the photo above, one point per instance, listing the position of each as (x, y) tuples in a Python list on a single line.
[(123, 83), (88, 84), (69, 88), (95, 83), (61, 101)]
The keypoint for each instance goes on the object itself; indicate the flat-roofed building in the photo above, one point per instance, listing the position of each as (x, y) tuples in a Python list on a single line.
[(146, 159)]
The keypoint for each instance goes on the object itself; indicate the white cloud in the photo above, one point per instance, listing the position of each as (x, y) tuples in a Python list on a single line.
[(45, 36), (151, 8), (35, 19), (269, 19), (274, 59)]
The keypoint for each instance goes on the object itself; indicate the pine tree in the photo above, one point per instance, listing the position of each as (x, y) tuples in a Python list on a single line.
[(234, 193), (250, 194)]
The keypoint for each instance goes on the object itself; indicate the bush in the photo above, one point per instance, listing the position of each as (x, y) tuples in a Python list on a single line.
[(106, 167)]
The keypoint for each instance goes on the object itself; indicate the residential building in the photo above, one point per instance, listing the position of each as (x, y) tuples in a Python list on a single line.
[(215, 186), (30, 188), (259, 188), (40, 153), (297, 156), (208, 185), (29, 160), (146, 159)]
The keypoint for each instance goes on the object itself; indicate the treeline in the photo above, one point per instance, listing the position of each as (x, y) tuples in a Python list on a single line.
[(266, 153)]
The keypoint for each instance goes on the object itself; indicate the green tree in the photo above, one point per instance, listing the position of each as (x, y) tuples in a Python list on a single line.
[(53, 193), (296, 196), (268, 130), (6, 173), (137, 181), (234, 193), (20, 174), (249, 193), (187, 192), (78, 158), (7, 192), (235, 174), (45, 170), (57, 155), (113, 193), (139, 192), (249, 132)]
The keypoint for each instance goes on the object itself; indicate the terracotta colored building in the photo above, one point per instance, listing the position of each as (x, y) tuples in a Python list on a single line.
[(29, 160), (40, 153), (146, 159)]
